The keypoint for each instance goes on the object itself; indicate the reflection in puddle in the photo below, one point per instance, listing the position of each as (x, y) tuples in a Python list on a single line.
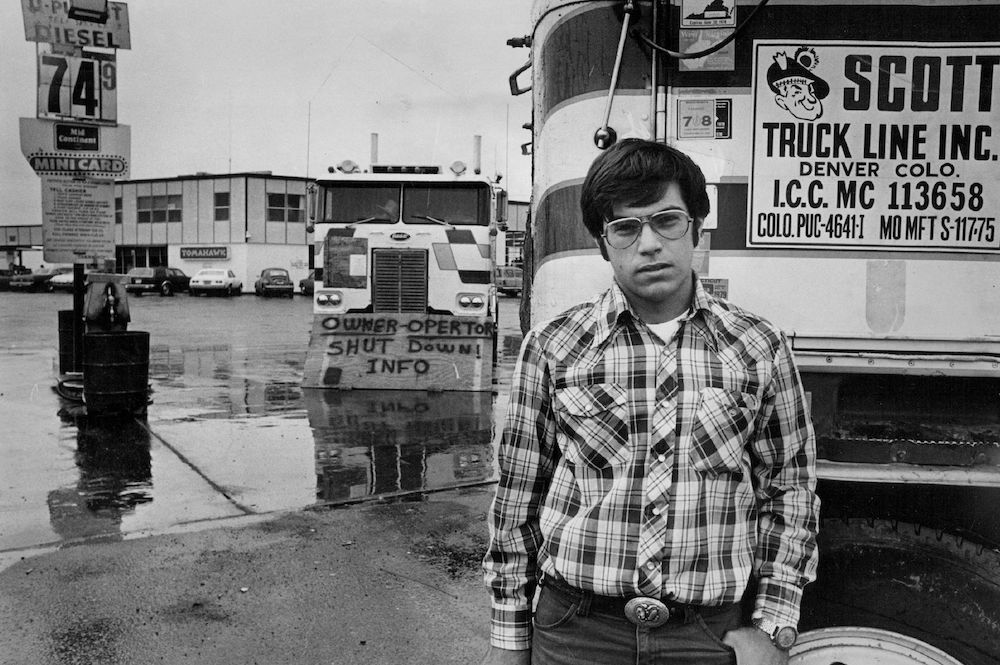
[(393, 442), (115, 469), (223, 381)]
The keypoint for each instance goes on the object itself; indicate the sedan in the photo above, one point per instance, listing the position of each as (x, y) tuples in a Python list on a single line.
[(159, 279), (274, 282), (8, 274), (215, 280), (308, 283), (63, 282), (36, 281)]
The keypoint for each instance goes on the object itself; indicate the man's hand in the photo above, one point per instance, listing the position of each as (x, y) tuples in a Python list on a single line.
[(507, 657), (753, 647)]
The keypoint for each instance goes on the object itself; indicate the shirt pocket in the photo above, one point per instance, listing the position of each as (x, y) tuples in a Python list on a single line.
[(723, 424), (594, 419)]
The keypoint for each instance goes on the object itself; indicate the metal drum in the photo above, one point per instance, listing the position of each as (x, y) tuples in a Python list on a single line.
[(115, 371)]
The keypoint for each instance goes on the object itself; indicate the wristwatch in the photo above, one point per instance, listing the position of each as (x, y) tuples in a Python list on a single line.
[(782, 637)]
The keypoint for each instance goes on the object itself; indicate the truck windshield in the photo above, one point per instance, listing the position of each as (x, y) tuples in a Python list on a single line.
[(352, 203), (458, 204)]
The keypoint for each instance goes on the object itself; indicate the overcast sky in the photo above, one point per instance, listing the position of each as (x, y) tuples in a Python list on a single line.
[(237, 85)]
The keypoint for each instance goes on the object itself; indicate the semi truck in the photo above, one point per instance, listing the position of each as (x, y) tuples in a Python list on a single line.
[(851, 152), (407, 299)]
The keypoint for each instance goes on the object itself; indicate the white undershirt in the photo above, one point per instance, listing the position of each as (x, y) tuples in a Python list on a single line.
[(665, 331)]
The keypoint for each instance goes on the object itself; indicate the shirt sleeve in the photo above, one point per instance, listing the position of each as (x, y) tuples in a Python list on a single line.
[(526, 457), (788, 508)]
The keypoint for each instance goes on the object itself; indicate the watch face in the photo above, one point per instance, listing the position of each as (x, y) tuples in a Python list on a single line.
[(785, 637)]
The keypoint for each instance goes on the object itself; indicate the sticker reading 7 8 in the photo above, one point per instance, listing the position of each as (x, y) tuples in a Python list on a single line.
[(83, 88)]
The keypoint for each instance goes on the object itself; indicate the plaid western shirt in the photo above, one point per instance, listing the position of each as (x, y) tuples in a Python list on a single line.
[(672, 468)]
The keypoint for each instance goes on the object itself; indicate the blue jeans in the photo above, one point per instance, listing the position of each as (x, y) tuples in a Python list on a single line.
[(562, 636)]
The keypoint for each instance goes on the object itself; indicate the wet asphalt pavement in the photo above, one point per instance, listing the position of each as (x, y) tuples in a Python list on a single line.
[(229, 433), (243, 520)]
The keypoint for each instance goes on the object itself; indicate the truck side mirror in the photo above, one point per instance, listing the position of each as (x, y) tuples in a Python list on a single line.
[(501, 207)]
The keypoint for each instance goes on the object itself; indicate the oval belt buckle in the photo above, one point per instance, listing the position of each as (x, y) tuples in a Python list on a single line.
[(648, 612)]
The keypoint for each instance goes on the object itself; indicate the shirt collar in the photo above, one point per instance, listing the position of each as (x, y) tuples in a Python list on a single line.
[(613, 310)]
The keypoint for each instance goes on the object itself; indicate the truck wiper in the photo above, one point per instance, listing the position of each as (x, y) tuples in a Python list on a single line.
[(433, 219), (368, 219)]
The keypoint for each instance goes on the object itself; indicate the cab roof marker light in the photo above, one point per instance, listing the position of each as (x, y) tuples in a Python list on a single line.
[(400, 168), (458, 167)]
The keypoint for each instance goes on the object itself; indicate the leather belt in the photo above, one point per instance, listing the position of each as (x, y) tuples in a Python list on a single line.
[(640, 610)]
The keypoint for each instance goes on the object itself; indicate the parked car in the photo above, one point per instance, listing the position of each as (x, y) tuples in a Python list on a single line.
[(160, 279), (63, 282), (274, 282), (215, 280), (308, 283), (509, 280), (36, 281), (8, 273)]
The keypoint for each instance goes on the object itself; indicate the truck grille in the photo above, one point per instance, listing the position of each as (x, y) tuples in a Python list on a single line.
[(399, 280)]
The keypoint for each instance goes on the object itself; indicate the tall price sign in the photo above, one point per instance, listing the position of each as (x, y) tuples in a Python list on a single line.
[(75, 143)]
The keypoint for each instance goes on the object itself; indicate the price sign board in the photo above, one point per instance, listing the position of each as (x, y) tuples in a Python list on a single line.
[(76, 149), (79, 87), (48, 22)]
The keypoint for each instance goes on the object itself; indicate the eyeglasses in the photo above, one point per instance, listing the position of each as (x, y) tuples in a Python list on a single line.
[(669, 224)]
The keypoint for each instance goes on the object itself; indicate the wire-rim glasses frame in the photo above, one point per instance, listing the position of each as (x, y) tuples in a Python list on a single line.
[(623, 232)]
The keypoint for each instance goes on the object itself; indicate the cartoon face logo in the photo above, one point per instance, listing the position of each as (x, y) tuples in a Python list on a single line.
[(796, 89)]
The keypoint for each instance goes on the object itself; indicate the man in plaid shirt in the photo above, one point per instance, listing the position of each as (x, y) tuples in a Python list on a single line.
[(657, 459)]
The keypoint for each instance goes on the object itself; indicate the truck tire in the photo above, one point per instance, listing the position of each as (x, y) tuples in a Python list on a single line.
[(166, 289), (939, 588)]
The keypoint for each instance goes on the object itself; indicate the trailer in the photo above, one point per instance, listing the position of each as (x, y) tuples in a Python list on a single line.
[(851, 152)]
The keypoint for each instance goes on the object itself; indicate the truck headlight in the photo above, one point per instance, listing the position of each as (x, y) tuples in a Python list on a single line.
[(471, 300), (331, 299)]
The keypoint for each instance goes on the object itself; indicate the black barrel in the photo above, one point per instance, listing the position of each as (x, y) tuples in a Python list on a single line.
[(66, 342), (115, 371)]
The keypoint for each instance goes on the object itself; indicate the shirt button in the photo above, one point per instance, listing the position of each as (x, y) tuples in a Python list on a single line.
[(661, 458), (655, 510), (651, 565)]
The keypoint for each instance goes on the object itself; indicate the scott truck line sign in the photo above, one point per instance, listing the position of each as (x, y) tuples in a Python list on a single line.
[(867, 145)]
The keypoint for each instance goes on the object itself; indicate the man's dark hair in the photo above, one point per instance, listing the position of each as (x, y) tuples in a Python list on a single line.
[(636, 172)]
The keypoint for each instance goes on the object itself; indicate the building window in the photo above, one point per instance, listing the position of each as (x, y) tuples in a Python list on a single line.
[(128, 257), (515, 248), (222, 206), (160, 208), (284, 208), (118, 210)]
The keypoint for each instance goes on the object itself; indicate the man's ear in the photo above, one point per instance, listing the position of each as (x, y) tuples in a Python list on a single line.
[(603, 248)]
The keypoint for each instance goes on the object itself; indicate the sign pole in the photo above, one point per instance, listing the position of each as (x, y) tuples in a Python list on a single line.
[(78, 327)]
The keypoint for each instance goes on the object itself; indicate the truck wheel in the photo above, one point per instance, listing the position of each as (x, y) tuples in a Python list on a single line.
[(936, 592), (166, 289), (853, 644)]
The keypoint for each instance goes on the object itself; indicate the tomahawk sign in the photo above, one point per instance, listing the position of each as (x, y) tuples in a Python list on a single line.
[(80, 87)]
